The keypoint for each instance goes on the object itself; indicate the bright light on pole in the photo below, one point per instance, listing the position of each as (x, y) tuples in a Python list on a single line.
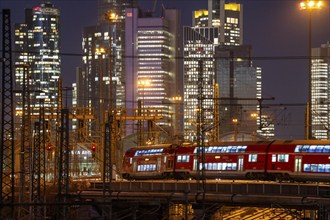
[(310, 6)]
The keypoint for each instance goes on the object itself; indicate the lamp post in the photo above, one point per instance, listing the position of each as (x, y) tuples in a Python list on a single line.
[(235, 122), (142, 84), (310, 5), (112, 17), (177, 125), (100, 52)]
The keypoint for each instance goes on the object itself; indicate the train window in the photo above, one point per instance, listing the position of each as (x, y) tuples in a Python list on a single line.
[(222, 149), (307, 167), (320, 168), (183, 158), (253, 157), (146, 167), (326, 149), (327, 168), (148, 152), (273, 157), (298, 148), (241, 148), (312, 148), (305, 148), (283, 158), (319, 148), (313, 167)]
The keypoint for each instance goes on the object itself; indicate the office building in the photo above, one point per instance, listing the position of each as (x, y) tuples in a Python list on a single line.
[(198, 68), (228, 17), (100, 81), (320, 92), (38, 61), (153, 74), (238, 81)]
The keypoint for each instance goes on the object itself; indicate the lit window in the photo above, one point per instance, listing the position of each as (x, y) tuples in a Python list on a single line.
[(253, 157)]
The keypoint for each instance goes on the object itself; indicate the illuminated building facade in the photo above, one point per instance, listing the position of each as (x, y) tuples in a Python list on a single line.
[(100, 81), (320, 92), (240, 87), (228, 17), (153, 74), (198, 47), (37, 42)]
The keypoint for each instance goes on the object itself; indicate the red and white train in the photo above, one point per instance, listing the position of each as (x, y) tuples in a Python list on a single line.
[(297, 160)]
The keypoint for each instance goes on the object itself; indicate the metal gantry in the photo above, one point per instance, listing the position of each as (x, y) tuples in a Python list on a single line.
[(25, 145), (38, 171), (63, 165), (107, 169), (7, 190), (201, 181)]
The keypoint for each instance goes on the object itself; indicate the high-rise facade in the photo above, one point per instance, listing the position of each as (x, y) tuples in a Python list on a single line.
[(320, 81), (240, 88), (100, 81), (198, 68), (239, 82), (38, 61), (153, 74), (228, 17)]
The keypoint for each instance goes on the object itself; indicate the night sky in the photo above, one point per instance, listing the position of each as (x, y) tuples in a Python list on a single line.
[(276, 29)]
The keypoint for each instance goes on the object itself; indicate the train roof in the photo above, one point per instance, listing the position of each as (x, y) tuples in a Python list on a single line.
[(274, 142), (302, 142), (155, 146)]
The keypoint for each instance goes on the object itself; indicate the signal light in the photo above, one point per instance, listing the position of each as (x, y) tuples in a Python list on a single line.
[(93, 151), (49, 148)]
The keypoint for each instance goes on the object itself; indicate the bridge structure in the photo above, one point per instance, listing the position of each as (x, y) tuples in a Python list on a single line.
[(298, 196)]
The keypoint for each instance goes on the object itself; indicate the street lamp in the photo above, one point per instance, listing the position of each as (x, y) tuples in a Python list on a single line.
[(177, 125), (235, 122), (142, 84), (100, 52), (310, 6)]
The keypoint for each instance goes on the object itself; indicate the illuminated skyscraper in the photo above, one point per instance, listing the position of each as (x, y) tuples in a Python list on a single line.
[(228, 17), (216, 35), (199, 43), (320, 92), (37, 42), (100, 82), (153, 73), (240, 88)]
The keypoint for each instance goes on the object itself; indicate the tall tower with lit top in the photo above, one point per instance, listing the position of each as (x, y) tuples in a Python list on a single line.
[(37, 41)]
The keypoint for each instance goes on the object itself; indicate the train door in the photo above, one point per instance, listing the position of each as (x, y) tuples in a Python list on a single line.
[(297, 164), (240, 164), (195, 164), (134, 166), (159, 163)]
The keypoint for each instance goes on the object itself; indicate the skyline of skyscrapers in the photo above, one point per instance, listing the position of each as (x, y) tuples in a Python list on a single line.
[(117, 46)]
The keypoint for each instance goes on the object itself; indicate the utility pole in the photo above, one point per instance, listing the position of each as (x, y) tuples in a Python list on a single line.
[(201, 181), (7, 177)]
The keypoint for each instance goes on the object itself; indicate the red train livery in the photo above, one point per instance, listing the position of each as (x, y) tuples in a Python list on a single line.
[(297, 160)]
